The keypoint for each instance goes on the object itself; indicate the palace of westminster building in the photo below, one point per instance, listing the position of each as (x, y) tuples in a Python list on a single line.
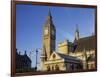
[(70, 56)]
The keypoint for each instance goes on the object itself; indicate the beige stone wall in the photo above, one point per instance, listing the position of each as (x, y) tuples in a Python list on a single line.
[(53, 67), (91, 65), (61, 65), (63, 47), (81, 56), (67, 66)]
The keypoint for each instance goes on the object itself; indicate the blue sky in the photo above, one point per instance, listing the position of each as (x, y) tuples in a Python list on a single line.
[(30, 20)]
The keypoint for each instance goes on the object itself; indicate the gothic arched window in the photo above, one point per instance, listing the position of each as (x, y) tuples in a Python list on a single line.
[(56, 67), (72, 66), (48, 68), (52, 68)]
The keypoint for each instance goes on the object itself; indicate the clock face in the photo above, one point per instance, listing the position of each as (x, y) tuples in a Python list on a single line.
[(46, 31)]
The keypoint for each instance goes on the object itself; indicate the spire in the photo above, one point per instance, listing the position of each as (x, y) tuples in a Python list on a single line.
[(49, 21), (77, 29), (76, 33), (49, 14), (49, 17)]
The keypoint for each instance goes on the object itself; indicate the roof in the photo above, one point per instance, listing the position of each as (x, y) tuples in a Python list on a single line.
[(62, 57), (87, 42), (49, 21), (22, 57), (68, 57)]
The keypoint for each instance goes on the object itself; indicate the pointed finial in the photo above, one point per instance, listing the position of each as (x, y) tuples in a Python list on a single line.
[(25, 52), (16, 49), (76, 33), (49, 13)]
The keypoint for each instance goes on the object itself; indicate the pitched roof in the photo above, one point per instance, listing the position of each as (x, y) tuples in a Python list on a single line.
[(87, 42), (68, 57), (62, 57), (22, 57)]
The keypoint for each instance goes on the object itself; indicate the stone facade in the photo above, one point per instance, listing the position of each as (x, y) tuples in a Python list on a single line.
[(70, 56)]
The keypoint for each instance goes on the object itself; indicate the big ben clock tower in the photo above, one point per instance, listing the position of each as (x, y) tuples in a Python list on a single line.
[(49, 37)]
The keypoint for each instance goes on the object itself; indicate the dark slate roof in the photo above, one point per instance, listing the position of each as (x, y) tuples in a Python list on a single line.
[(87, 43), (22, 58), (68, 57)]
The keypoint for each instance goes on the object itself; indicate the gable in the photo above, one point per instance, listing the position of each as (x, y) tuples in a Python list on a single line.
[(55, 56)]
